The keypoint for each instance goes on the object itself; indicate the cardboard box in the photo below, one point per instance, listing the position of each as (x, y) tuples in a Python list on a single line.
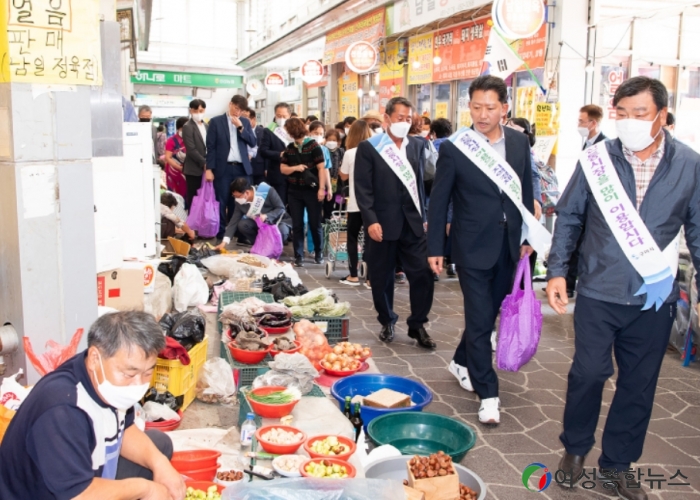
[(149, 268), (121, 289), (387, 398), (435, 488)]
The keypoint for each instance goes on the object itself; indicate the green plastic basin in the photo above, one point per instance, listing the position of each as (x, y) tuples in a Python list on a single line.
[(422, 433)]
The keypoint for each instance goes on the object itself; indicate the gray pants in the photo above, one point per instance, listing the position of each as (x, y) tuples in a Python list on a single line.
[(127, 469)]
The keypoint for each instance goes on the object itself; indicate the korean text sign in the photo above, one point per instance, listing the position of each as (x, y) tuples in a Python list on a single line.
[(369, 28), (51, 41)]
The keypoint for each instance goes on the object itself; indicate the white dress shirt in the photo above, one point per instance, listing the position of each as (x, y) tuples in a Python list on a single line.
[(234, 155), (202, 130)]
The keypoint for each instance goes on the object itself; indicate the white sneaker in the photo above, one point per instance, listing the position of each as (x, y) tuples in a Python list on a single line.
[(462, 375), (488, 413)]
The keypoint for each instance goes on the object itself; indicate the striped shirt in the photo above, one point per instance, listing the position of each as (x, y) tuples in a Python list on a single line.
[(644, 170)]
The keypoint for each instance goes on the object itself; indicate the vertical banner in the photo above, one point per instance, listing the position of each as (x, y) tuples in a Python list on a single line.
[(51, 42), (390, 75), (420, 59), (347, 90), (461, 50), (441, 110), (547, 129), (526, 103)]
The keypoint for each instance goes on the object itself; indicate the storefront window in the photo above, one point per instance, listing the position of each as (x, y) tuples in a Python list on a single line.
[(441, 102), (668, 76), (463, 118), (370, 93), (422, 99)]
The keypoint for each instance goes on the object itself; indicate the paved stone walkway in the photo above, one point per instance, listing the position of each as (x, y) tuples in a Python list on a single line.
[(532, 399)]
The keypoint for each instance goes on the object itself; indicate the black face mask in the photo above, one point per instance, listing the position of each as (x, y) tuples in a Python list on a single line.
[(144, 119)]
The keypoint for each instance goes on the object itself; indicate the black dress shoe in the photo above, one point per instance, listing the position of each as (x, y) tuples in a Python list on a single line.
[(630, 490), (299, 262), (570, 294), (572, 465), (319, 259), (387, 333), (436, 277), (452, 270), (422, 337)]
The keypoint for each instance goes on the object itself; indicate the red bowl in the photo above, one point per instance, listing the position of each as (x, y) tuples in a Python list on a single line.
[(342, 439), (348, 467), (279, 449), (165, 425), (247, 357), (274, 353), (345, 373), (275, 330), (194, 459), (267, 410), (204, 485), (204, 474)]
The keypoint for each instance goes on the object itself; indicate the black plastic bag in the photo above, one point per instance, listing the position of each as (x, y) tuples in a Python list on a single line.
[(172, 266), (164, 398), (188, 328)]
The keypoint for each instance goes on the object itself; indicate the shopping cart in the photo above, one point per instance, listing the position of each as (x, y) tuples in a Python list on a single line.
[(335, 241)]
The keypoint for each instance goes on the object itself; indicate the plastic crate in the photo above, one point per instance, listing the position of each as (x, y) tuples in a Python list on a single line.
[(244, 407), (227, 298), (178, 379), (244, 374), (335, 329)]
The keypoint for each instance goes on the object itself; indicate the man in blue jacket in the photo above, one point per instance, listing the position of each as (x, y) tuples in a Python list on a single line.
[(228, 138), (633, 195)]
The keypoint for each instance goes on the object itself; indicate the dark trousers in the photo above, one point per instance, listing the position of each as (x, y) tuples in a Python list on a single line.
[(248, 229), (281, 188), (126, 469), (483, 291), (223, 177), (301, 198), (258, 179), (354, 228), (381, 260), (193, 184), (639, 339)]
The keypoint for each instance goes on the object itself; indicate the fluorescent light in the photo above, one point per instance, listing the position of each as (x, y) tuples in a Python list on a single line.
[(355, 5)]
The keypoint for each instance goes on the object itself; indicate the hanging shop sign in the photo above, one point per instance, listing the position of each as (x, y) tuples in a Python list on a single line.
[(254, 87), (461, 51), (409, 14), (163, 101), (361, 57), (390, 75), (369, 28), (51, 42), (347, 93), (517, 19), (274, 82), (181, 79), (311, 71), (420, 59)]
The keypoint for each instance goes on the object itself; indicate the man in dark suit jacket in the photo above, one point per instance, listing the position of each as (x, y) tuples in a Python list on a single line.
[(589, 118), (271, 147), (395, 225), (486, 235), (228, 138), (257, 161), (194, 135)]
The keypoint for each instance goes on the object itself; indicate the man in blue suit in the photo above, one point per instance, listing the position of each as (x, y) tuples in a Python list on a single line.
[(228, 138)]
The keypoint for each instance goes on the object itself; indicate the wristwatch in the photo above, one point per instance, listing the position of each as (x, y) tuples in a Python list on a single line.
[(240, 129)]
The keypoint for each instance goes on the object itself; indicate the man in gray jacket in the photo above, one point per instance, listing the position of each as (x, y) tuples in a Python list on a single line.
[(633, 195), (194, 134)]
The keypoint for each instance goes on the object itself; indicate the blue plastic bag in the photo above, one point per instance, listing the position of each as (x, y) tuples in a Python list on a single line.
[(204, 212), (521, 323), (268, 243)]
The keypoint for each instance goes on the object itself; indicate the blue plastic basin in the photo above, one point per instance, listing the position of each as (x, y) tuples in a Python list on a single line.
[(367, 383)]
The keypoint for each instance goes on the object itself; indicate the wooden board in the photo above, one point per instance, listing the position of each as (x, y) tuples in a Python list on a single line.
[(413, 494)]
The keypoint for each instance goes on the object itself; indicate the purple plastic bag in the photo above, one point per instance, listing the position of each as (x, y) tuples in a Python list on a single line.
[(521, 323), (204, 212), (268, 243)]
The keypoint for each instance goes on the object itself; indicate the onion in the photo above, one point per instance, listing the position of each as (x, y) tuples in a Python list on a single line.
[(336, 367), (338, 349)]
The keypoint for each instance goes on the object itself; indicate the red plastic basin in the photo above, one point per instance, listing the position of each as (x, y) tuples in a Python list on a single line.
[(204, 474), (270, 411), (348, 467), (279, 449), (204, 485), (247, 357), (194, 459), (349, 443)]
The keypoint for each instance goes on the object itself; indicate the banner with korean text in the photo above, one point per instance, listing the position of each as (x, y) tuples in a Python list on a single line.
[(51, 42), (368, 28), (348, 84), (420, 59)]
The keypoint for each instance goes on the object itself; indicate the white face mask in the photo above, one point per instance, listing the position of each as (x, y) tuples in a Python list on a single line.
[(424, 133), (636, 134), (377, 131), (241, 201), (280, 121), (331, 145), (198, 117), (584, 132), (117, 396), (347, 130), (400, 129), (319, 139)]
